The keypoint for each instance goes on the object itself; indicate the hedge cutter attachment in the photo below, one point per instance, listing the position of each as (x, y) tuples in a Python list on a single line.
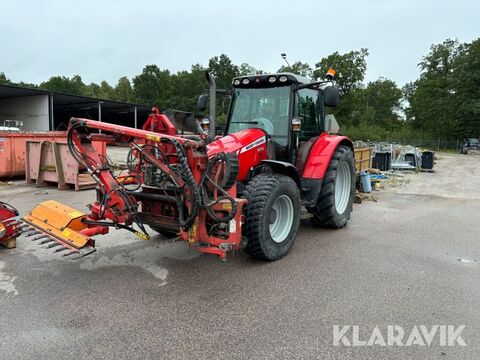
[(60, 228)]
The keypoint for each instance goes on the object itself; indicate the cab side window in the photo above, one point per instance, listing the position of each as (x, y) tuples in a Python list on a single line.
[(307, 106)]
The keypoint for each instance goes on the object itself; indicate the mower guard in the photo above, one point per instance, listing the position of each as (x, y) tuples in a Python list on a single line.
[(60, 227)]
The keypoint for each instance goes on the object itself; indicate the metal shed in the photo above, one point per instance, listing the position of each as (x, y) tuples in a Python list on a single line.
[(41, 110)]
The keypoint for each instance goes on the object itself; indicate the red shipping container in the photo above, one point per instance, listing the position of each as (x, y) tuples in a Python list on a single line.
[(13, 147)]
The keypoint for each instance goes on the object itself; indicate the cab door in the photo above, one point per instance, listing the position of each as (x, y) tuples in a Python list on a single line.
[(309, 107)]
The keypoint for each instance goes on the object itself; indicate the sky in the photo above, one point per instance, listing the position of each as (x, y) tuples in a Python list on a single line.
[(108, 39)]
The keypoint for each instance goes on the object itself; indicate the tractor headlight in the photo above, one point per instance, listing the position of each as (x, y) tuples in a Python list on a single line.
[(272, 79), (245, 81), (282, 79), (236, 82)]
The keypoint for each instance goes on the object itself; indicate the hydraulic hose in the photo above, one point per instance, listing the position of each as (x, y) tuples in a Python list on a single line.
[(209, 207), (190, 181)]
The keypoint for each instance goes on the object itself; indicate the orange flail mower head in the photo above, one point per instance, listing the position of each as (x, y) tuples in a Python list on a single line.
[(61, 227)]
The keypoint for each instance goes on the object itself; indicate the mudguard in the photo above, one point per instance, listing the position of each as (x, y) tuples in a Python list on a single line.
[(321, 153), (317, 164)]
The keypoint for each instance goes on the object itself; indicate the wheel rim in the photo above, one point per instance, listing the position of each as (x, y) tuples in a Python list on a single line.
[(281, 218), (343, 184)]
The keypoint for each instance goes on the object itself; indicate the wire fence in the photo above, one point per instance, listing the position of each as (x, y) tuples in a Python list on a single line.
[(432, 144)]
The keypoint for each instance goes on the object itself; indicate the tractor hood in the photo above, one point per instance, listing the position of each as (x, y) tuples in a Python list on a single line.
[(250, 145), (234, 142)]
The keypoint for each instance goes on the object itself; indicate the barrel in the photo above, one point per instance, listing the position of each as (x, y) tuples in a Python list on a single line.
[(365, 180)]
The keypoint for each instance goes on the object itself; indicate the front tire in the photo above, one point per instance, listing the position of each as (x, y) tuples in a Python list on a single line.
[(272, 216), (335, 201)]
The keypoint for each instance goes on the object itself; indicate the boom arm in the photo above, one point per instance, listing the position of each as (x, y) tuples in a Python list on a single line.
[(119, 206), (185, 187)]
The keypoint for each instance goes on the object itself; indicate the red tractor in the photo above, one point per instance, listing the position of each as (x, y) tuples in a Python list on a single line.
[(244, 189)]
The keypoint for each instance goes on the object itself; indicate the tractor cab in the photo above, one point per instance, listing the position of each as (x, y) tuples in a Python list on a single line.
[(288, 107)]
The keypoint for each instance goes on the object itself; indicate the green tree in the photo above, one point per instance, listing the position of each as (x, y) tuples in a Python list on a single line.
[(466, 92), (102, 91), (246, 69), (353, 109), (299, 68), (224, 70), (4, 80), (106, 91), (25, 85), (382, 101), (350, 72), (63, 84), (350, 68), (433, 99), (93, 90), (188, 86), (152, 86), (123, 90)]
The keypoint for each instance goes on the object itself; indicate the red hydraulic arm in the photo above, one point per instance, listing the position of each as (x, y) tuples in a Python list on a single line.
[(119, 205), (179, 188)]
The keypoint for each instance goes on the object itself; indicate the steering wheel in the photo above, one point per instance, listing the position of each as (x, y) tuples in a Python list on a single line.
[(265, 124)]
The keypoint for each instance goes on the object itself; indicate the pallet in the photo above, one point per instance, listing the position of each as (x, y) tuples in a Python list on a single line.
[(51, 162), (359, 197), (363, 159)]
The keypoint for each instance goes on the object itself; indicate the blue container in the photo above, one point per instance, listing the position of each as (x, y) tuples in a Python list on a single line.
[(365, 179)]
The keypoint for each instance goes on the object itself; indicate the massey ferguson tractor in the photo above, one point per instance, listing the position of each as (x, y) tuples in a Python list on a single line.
[(241, 190)]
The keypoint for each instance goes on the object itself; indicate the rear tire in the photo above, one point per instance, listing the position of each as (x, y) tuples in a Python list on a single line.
[(335, 201), (272, 216)]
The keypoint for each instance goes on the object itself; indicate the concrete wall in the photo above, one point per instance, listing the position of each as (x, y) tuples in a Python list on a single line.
[(32, 110)]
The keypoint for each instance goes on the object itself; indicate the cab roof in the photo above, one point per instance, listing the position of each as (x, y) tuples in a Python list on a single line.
[(265, 80)]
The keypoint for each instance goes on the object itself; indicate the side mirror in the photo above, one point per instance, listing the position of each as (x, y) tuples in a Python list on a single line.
[(331, 96), (202, 102)]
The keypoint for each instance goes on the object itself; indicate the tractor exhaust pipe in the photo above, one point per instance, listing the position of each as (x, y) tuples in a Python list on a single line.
[(213, 104)]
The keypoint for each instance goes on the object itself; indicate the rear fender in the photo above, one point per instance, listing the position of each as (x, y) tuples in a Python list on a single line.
[(321, 153), (317, 164)]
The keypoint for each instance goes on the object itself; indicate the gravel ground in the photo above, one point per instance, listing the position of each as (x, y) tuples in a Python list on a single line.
[(412, 258), (456, 177), (117, 154)]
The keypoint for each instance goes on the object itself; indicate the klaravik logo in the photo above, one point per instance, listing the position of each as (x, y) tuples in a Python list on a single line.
[(395, 335)]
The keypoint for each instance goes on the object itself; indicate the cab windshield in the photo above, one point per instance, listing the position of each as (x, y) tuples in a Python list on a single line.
[(264, 108)]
